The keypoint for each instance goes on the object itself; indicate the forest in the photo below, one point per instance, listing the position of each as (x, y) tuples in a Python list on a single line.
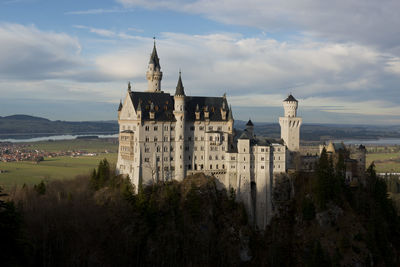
[(96, 220)]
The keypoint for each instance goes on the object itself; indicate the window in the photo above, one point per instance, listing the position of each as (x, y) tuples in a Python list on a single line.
[(158, 149), (216, 157), (211, 138), (219, 128), (155, 139), (186, 148), (210, 157), (232, 158), (158, 158), (216, 166), (202, 138), (155, 128), (165, 149), (165, 158), (262, 149), (223, 157), (262, 167), (172, 128), (195, 138), (146, 160), (223, 166), (210, 128), (146, 149), (166, 127), (147, 139), (201, 128), (165, 138), (202, 148), (262, 158), (192, 128), (210, 166), (146, 128)]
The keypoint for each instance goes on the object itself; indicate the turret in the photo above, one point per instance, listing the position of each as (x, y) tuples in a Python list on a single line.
[(290, 106), (250, 128), (139, 110), (179, 112), (119, 108), (154, 74), (230, 121), (290, 124)]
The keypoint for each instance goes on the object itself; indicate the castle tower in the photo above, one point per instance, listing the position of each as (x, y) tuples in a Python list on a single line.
[(290, 124), (179, 112), (154, 74), (250, 128)]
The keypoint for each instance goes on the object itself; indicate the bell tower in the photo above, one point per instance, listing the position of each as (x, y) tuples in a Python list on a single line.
[(290, 124), (154, 73)]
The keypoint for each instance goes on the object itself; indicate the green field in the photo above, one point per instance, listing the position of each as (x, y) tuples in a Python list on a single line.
[(388, 164), (92, 145), (27, 172)]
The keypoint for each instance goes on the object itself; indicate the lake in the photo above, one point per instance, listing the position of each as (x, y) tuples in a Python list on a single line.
[(56, 137)]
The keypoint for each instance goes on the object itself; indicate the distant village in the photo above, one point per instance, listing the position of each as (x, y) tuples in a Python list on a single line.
[(10, 152)]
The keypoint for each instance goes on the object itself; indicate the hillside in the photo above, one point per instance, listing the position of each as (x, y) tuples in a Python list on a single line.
[(96, 221), (17, 125)]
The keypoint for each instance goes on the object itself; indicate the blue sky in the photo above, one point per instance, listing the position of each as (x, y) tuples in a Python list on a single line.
[(341, 59)]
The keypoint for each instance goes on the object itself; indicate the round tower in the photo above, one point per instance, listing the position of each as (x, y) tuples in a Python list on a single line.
[(179, 112), (290, 106), (290, 124), (154, 74)]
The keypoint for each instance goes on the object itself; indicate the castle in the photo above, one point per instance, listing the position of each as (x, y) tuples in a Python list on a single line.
[(164, 136)]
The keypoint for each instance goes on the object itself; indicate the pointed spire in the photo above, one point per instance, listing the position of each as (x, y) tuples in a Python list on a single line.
[(120, 105), (139, 106), (129, 87), (230, 116), (154, 56), (179, 87)]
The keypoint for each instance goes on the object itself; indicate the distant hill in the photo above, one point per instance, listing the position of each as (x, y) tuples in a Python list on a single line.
[(17, 125), (321, 132), (30, 126)]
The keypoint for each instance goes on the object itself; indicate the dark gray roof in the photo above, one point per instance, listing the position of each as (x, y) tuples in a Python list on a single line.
[(290, 98), (154, 58), (214, 105), (164, 106), (249, 123), (179, 87)]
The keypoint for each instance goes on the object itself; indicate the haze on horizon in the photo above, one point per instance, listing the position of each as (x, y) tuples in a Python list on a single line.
[(72, 60)]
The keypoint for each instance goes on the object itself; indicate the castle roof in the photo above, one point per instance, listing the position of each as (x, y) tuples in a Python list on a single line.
[(120, 106), (290, 98), (164, 106), (249, 123), (179, 87), (154, 58)]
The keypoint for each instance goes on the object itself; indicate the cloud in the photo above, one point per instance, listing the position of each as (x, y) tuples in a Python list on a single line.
[(28, 53), (98, 11), (328, 77), (368, 22), (108, 33)]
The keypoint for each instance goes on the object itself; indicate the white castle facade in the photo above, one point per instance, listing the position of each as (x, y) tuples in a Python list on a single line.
[(164, 137)]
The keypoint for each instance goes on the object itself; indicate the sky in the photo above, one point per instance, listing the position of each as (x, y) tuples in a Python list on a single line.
[(72, 60)]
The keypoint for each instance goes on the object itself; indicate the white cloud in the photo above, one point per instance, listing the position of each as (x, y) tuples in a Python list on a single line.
[(98, 11), (28, 53), (255, 72), (368, 21)]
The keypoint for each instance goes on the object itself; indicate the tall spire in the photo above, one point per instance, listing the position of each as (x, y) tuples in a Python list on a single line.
[(154, 56), (230, 116), (179, 87)]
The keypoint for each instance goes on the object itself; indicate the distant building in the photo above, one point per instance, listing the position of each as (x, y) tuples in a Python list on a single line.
[(164, 137)]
